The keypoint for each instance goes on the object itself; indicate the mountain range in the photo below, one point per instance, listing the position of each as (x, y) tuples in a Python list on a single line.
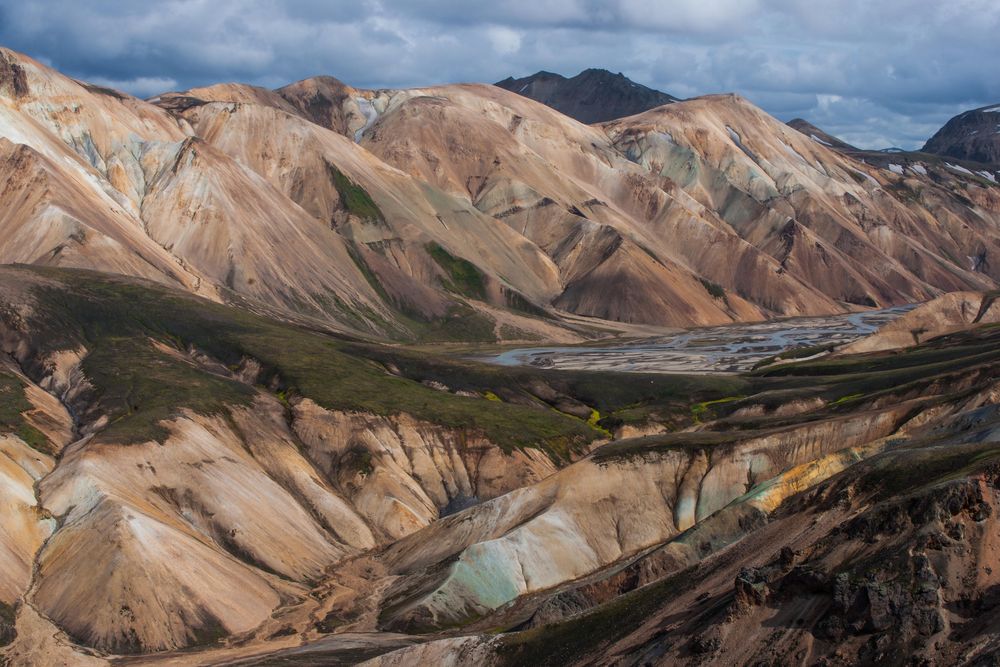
[(231, 433), (403, 213)]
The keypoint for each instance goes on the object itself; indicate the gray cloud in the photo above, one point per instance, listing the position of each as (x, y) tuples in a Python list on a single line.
[(877, 74)]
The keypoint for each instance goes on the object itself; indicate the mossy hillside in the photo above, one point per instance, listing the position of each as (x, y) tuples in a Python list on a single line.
[(13, 404), (654, 445), (138, 385), (699, 411)]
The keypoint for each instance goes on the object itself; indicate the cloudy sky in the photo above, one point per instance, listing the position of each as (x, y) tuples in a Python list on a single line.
[(876, 73)]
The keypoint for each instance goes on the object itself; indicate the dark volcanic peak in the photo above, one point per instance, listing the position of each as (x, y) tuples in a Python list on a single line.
[(592, 96), (973, 135)]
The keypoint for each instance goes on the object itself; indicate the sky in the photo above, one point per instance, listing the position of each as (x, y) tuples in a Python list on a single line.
[(876, 73)]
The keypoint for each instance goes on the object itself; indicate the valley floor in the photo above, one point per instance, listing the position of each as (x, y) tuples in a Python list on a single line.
[(192, 484)]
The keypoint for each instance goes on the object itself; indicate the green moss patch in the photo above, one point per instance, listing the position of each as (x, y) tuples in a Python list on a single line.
[(715, 290), (354, 198), (13, 404), (463, 276), (700, 410)]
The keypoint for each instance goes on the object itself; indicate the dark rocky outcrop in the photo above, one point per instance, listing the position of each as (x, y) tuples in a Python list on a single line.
[(973, 135), (592, 96)]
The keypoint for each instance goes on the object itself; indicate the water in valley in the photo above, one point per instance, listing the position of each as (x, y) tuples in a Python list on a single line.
[(721, 349)]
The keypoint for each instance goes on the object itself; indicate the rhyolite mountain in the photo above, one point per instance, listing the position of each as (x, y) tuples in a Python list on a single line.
[(218, 444), (973, 135), (592, 96), (467, 212)]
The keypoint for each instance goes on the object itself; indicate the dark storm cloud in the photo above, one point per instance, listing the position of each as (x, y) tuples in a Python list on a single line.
[(877, 74)]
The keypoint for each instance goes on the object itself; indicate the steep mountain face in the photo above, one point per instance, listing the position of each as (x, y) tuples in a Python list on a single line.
[(973, 135), (862, 235), (592, 96)]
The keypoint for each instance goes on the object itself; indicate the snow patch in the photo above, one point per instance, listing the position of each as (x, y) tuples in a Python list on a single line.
[(987, 175), (734, 135), (370, 114), (820, 141), (918, 169), (794, 153), (958, 168), (896, 169)]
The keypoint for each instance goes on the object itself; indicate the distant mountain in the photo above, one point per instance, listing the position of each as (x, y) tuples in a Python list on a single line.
[(592, 96), (973, 135)]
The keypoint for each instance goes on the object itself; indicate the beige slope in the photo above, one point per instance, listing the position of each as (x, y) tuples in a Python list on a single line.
[(183, 540), (223, 92), (179, 538), (561, 183), (57, 215), (859, 234), (299, 158), (480, 155), (100, 124), (332, 104), (206, 534), (702, 212), (25, 525), (946, 314), (123, 190), (590, 514), (240, 232)]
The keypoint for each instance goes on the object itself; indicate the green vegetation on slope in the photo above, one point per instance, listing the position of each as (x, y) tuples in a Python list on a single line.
[(7, 621), (355, 198), (463, 276), (13, 405), (565, 642), (715, 290), (460, 324), (699, 410), (138, 385)]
